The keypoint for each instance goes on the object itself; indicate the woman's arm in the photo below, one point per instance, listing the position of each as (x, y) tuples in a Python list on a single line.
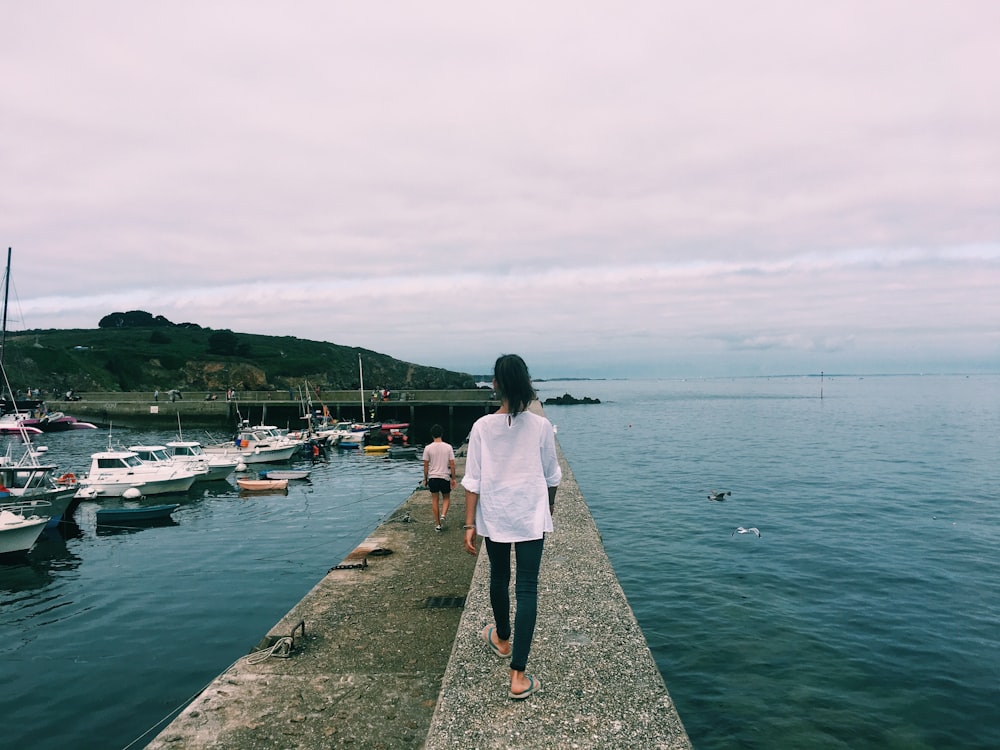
[(471, 500)]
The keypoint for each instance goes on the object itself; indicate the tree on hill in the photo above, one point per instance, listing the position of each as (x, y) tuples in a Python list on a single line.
[(224, 343), (133, 319)]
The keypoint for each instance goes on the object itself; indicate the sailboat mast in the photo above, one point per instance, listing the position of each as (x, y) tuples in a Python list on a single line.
[(361, 375), (6, 289)]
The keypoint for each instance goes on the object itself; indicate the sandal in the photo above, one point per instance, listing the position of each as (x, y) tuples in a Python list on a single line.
[(533, 687), (488, 637)]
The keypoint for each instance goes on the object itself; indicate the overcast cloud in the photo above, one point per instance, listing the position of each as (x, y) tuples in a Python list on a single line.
[(610, 189)]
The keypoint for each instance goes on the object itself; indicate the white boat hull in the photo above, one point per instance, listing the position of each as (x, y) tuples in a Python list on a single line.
[(255, 455), (116, 487), (219, 470), (216, 466), (17, 533)]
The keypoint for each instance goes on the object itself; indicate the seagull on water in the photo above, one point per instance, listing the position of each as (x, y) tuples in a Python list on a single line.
[(720, 496), (751, 530)]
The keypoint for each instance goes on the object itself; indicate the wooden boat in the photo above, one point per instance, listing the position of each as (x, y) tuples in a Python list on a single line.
[(136, 515), (19, 533), (285, 474), (262, 485)]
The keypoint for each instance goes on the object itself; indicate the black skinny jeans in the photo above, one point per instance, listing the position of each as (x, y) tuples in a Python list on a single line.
[(529, 560)]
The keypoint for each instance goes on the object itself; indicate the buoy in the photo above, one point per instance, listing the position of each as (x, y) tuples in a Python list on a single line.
[(132, 493)]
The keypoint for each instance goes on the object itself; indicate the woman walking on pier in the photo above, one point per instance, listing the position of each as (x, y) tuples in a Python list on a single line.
[(511, 475)]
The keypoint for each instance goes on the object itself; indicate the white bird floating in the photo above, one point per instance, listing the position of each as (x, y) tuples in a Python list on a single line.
[(751, 530), (717, 495)]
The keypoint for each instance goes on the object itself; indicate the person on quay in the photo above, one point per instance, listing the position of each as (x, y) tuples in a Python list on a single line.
[(439, 474), (511, 476)]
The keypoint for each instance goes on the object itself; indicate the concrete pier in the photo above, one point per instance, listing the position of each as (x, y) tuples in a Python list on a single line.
[(389, 654)]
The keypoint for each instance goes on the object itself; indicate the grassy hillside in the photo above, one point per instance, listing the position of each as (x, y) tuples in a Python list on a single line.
[(188, 357)]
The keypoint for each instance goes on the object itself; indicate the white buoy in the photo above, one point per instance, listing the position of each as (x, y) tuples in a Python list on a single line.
[(241, 466), (132, 493)]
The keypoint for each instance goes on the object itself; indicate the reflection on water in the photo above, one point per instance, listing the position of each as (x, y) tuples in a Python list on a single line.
[(36, 569)]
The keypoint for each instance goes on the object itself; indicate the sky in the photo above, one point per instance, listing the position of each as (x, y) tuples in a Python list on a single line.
[(639, 189)]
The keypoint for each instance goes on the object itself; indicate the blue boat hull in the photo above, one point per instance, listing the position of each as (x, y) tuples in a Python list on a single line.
[(133, 515)]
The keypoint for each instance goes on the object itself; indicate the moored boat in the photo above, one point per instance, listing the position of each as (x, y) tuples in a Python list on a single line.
[(285, 474), (13, 423), (57, 421), (30, 485), (217, 466), (403, 451), (157, 454), (113, 473), (357, 437), (138, 514), (256, 445), (262, 485), (18, 533)]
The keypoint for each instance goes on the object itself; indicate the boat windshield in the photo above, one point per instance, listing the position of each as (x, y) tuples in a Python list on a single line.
[(117, 462)]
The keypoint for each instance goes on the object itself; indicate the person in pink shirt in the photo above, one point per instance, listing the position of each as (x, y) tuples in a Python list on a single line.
[(439, 474)]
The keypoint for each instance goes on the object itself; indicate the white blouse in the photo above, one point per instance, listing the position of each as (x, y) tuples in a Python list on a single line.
[(510, 464)]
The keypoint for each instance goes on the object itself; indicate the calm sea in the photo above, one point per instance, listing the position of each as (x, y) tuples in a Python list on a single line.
[(867, 613)]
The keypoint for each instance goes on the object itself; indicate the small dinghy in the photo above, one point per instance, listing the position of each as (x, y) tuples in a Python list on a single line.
[(263, 485), (285, 474), (141, 514)]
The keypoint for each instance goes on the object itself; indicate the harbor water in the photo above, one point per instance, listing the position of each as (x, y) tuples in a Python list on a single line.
[(863, 616), (866, 615), (105, 632)]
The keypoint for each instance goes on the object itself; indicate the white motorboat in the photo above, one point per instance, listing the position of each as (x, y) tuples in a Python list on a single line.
[(19, 533), (357, 435), (257, 445), (157, 454), (334, 432), (113, 473), (218, 466)]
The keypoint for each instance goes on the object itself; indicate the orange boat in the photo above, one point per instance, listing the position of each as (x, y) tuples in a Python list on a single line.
[(262, 485)]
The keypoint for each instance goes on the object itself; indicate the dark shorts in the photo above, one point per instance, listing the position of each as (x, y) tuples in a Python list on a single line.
[(434, 484)]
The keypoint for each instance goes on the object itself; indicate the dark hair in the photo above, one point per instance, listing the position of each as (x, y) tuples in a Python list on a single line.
[(436, 431), (513, 382)]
